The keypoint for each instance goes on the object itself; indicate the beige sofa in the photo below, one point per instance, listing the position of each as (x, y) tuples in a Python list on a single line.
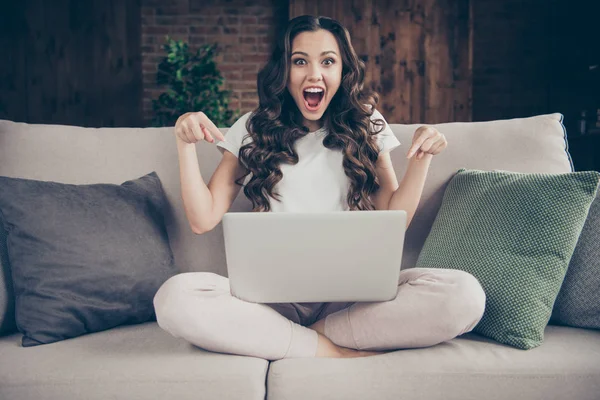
[(145, 362)]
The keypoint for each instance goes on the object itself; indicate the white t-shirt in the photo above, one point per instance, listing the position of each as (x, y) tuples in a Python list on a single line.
[(318, 182)]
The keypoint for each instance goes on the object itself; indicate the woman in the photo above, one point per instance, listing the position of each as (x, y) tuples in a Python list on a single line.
[(315, 143)]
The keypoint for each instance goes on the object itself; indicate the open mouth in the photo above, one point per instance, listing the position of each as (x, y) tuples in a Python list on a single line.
[(313, 98)]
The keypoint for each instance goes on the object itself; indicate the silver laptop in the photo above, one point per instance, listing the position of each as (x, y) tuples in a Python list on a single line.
[(284, 257)]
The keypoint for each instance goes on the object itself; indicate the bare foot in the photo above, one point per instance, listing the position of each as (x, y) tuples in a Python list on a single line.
[(326, 348), (352, 353), (318, 326)]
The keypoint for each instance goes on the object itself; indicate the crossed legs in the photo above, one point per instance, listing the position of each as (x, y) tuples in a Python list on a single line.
[(431, 306)]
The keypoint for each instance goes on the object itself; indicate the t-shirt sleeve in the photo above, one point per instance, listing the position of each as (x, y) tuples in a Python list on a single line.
[(234, 136), (386, 139)]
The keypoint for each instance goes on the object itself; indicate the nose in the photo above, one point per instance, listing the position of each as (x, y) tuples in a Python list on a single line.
[(314, 73)]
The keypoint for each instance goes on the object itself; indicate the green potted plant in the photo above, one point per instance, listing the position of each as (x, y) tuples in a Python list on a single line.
[(192, 83)]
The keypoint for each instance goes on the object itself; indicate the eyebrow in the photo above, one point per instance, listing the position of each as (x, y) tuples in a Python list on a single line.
[(322, 54)]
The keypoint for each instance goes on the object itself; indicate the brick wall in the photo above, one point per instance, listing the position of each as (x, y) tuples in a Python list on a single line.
[(245, 31), (514, 68)]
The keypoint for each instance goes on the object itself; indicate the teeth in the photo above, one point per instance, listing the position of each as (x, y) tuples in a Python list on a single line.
[(313, 90)]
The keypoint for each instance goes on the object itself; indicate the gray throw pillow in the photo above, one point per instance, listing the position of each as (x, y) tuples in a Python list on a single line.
[(83, 258), (578, 302), (7, 303)]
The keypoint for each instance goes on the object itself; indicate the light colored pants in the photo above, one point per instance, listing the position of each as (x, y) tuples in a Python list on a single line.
[(430, 307)]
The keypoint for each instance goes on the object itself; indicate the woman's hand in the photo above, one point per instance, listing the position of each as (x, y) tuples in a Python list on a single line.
[(427, 140), (193, 127)]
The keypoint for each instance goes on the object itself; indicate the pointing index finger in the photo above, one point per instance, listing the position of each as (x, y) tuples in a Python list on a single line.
[(212, 128), (418, 143), (413, 149)]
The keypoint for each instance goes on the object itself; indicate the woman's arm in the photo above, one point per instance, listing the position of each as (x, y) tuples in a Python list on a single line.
[(409, 192), (427, 141), (204, 205)]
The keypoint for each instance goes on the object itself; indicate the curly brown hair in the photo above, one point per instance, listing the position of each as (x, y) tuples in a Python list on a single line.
[(276, 123)]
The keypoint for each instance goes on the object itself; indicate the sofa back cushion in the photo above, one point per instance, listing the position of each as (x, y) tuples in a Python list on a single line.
[(80, 155)]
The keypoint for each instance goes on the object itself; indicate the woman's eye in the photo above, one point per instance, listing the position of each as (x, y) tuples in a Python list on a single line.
[(297, 60), (331, 60)]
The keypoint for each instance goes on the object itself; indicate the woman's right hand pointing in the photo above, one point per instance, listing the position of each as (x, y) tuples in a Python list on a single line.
[(193, 127)]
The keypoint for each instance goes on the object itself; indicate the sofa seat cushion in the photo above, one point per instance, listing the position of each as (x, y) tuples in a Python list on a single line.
[(470, 366), (128, 362)]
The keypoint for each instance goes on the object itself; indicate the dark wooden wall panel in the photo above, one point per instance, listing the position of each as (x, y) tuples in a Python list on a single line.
[(13, 79), (73, 62), (417, 52)]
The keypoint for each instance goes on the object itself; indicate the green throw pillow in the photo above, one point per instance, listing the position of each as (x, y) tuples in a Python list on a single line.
[(515, 233)]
